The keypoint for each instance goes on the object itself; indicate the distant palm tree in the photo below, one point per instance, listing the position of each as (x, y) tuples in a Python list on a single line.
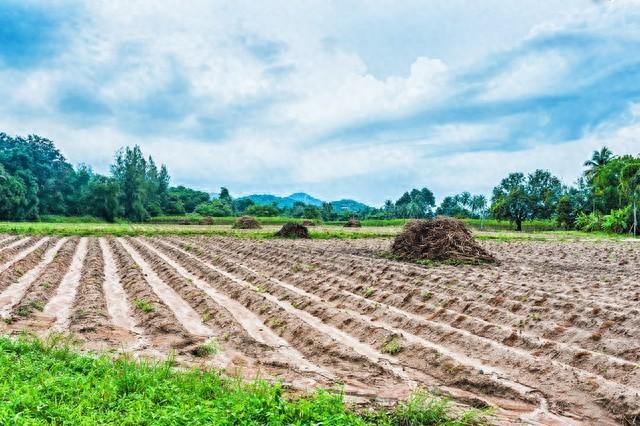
[(598, 159)]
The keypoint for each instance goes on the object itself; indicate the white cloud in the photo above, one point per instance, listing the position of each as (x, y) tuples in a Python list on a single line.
[(534, 74), (283, 78)]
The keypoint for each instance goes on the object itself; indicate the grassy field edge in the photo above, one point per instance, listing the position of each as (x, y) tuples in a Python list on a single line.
[(47, 382)]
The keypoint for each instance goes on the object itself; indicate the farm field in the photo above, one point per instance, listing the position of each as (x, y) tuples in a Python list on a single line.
[(550, 335)]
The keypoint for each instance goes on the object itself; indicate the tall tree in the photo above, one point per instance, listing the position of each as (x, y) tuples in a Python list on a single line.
[(544, 190), (511, 201), (598, 159), (130, 171), (630, 185)]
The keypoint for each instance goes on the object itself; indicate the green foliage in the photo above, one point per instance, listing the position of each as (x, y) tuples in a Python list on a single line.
[(463, 205), (206, 349), (103, 198), (221, 206), (189, 199), (262, 210), (520, 197), (18, 198), (45, 382), (617, 221), (565, 212), (392, 347), (144, 305), (215, 208), (48, 178), (589, 222), (416, 204)]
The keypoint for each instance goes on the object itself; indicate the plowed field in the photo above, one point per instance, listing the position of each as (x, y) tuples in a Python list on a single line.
[(551, 335)]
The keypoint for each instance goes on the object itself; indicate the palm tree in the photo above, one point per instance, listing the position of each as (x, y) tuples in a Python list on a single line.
[(598, 159)]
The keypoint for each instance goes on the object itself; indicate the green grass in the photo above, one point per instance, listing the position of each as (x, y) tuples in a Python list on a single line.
[(392, 347), (536, 225), (196, 219), (46, 382), (317, 232), (70, 219), (206, 349), (147, 229), (144, 305)]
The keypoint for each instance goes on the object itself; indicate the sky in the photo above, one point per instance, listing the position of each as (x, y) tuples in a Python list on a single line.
[(336, 98)]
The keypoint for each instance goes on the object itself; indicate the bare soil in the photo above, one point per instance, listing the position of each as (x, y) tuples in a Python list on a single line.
[(549, 335)]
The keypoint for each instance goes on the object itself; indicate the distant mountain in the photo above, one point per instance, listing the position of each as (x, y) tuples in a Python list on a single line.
[(289, 201), (351, 205), (305, 198)]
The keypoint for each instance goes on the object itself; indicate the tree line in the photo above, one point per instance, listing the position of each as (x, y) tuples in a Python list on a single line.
[(36, 180)]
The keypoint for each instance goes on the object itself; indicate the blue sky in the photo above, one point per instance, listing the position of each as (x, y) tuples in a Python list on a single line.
[(338, 98)]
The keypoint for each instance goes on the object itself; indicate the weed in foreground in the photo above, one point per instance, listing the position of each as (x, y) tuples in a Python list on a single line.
[(392, 347), (206, 349), (144, 305)]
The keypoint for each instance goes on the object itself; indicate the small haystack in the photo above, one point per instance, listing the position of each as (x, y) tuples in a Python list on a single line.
[(353, 223), (293, 230), (439, 239), (207, 220), (308, 223), (246, 222)]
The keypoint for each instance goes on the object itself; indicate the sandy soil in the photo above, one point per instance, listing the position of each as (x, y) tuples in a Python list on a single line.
[(551, 335)]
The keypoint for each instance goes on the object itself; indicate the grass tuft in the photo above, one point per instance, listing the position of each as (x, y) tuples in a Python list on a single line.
[(392, 347), (144, 305)]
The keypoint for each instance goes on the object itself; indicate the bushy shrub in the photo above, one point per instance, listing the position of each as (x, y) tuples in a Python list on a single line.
[(588, 222), (618, 221), (215, 208)]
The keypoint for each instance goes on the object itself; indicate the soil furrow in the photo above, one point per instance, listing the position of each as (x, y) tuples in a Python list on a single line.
[(43, 289), (89, 316), (183, 312), (607, 390), (14, 245), (321, 347), (118, 305), (60, 305), (531, 297), (17, 256), (6, 240), (16, 291), (247, 319), (613, 368), (149, 311), (362, 348), (534, 321)]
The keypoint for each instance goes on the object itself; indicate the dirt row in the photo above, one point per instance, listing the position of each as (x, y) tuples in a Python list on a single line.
[(481, 293), (529, 337), (566, 371)]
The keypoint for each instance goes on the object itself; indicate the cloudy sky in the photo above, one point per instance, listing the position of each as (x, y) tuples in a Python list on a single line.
[(338, 98)]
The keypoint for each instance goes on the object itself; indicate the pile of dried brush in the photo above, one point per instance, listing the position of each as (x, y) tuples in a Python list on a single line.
[(353, 223), (246, 222), (207, 220), (293, 230), (308, 223), (439, 239)]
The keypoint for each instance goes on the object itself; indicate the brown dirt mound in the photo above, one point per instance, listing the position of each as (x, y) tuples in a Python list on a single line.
[(353, 223), (440, 239), (246, 222), (293, 230)]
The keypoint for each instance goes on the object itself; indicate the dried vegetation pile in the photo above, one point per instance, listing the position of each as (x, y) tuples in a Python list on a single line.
[(353, 223), (439, 239), (293, 230), (247, 222)]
